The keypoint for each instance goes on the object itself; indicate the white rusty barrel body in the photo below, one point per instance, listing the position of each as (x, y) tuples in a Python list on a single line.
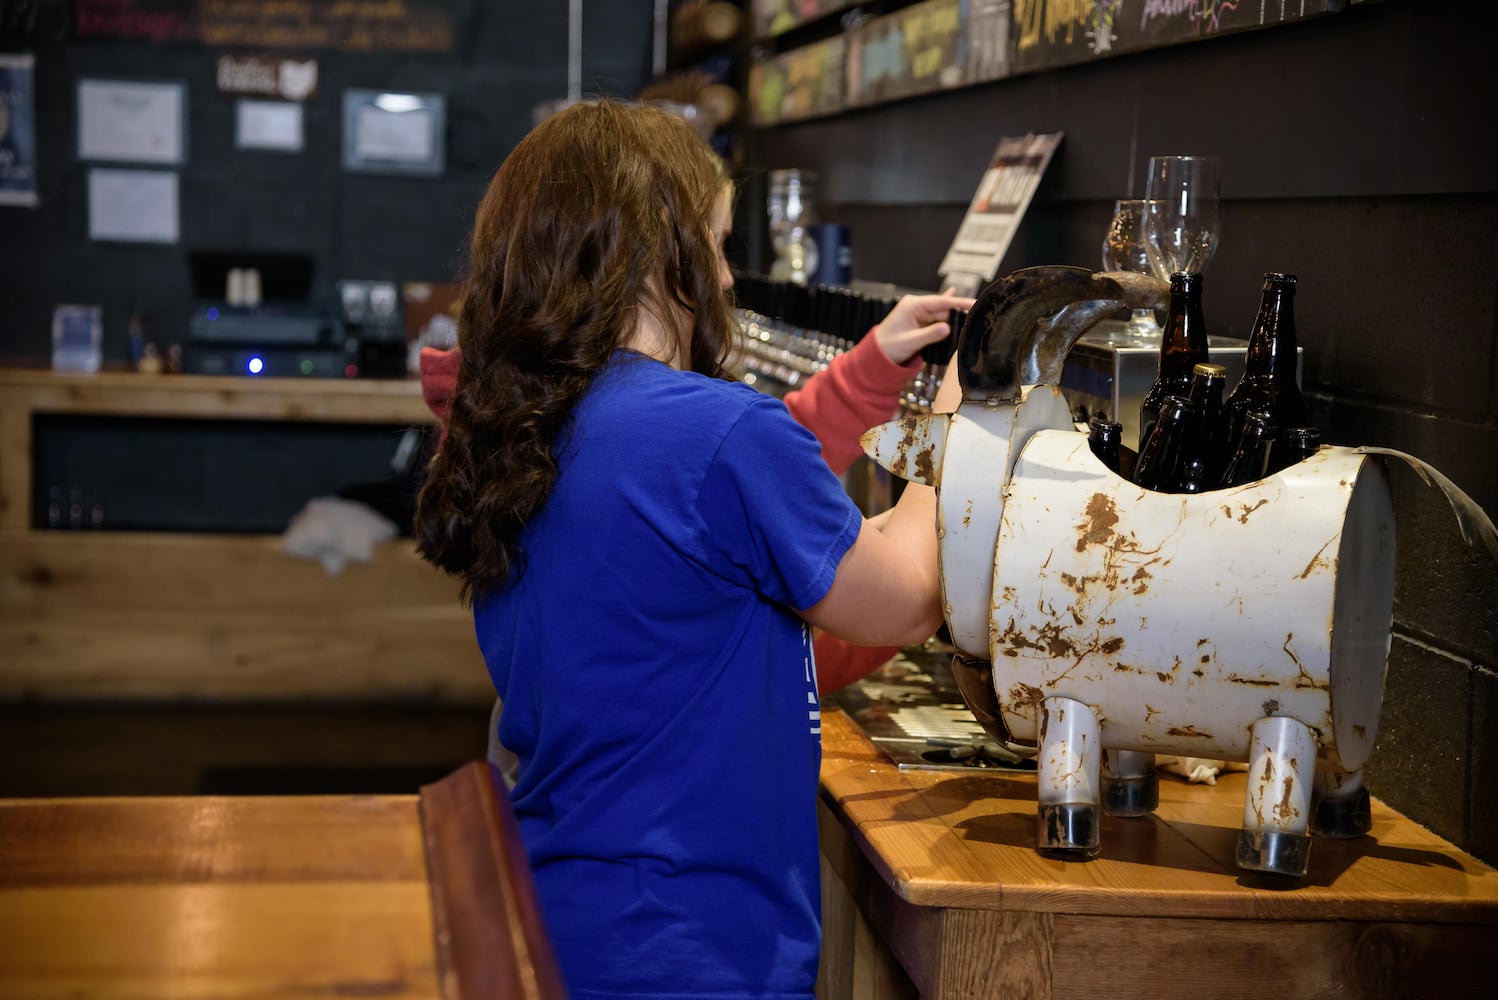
[(1184, 619), (972, 498)]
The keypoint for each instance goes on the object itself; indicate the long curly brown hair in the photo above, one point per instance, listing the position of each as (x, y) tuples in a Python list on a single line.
[(602, 210)]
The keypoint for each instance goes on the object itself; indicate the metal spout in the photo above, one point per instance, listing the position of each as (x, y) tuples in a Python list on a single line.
[(1022, 326)]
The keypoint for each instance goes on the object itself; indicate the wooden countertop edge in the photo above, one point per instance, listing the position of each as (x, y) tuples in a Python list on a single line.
[(211, 396), (489, 935), (861, 787)]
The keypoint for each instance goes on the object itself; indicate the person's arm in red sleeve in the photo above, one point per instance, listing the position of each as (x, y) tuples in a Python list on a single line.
[(861, 388), (439, 380), (858, 390)]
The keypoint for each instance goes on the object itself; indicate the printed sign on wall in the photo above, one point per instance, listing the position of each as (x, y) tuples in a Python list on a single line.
[(17, 130), (994, 215)]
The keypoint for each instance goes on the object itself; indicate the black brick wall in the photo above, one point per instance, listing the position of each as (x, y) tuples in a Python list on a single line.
[(508, 57)]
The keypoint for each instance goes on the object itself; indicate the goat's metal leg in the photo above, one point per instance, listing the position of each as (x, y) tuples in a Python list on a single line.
[(1131, 786), (1343, 809), (1068, 768), (1277, 810)]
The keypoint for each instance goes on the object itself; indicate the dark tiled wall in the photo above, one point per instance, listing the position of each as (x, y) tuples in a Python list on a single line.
[(1359, 153)]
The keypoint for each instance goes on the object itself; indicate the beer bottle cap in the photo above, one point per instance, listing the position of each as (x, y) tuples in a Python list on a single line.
[(1259, 421), (1208, 370), (1176, 408), (1303, 435)]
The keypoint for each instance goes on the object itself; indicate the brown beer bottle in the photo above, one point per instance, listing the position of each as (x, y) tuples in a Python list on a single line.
[(1268, 385), (1205, 454), (1250, 461), (1294, 445), (1159, 456), (1103, 437), (1183, 344)]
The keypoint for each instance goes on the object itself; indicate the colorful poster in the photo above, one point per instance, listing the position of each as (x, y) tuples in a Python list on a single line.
[(17, 130), (994, 215), (1051, 33)]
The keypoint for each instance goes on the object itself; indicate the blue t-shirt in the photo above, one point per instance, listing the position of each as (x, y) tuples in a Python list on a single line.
[(660, 692)]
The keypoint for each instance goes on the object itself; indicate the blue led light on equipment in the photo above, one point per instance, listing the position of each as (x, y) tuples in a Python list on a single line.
[(255, 366)]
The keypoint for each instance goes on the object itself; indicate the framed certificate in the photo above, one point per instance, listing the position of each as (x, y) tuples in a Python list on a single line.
[(132, 206), (394, 133), (132, 121)]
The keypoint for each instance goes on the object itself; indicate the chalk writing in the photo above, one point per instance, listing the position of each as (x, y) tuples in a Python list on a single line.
[(1053, 22), (1206, 14), (1051, 19), (349, 25), (126, 19)]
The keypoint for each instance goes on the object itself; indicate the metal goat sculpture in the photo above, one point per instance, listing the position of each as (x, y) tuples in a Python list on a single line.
[(1106, 623)]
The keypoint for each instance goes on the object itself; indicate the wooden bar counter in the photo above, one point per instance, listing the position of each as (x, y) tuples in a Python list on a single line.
[(932, 885), (406, 897), (157, 614)]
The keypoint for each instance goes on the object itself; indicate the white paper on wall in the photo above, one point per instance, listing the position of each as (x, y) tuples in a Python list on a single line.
[(135, 206), (130, 121)]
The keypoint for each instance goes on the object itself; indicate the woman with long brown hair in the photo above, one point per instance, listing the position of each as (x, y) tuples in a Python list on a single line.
[(646, 545)]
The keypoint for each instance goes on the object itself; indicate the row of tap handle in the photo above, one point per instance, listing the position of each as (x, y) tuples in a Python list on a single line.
[(792, 331)]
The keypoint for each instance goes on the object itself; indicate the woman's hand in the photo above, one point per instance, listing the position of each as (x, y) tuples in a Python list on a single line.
[(915, 321)]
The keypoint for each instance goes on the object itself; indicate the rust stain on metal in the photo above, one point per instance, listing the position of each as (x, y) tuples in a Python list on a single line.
[(1252, 681), (1244, 510), (925, 465), (1317, 562), (967, 514), (1100, 520), (1150, 711), (1111, 646), (1286, 810), (900, 462), (1271, 706), (1023, 696), (1303, 680), (1188, 732), (1051, 639)]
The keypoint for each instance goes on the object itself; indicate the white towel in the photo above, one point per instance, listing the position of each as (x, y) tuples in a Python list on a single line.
[(336, 532)]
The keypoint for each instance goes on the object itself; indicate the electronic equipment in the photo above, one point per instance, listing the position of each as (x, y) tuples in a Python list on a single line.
[(282, 332)]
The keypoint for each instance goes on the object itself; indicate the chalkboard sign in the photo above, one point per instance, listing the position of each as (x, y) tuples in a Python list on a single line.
[(365, 26), (803, 83), (1052, 33), (775, 17), (927, 47)]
